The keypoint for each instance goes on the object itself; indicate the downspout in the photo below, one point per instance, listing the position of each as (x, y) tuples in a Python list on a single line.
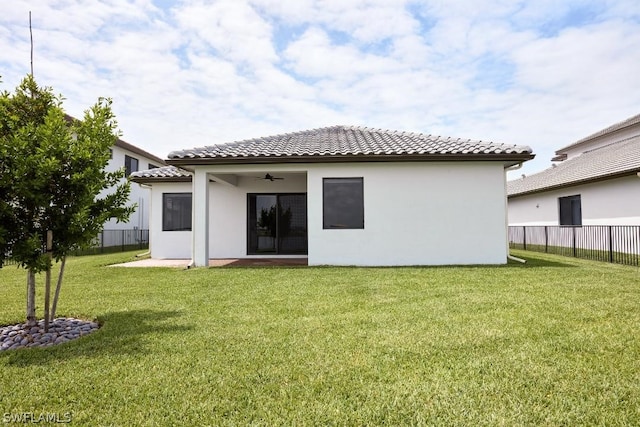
[(506, 210), (192, 262), (150, 188)]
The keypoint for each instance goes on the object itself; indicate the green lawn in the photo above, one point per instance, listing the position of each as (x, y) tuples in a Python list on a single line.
[(553, 342)]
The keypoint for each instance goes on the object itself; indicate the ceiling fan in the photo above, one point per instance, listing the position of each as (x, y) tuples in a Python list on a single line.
[(269, 177)]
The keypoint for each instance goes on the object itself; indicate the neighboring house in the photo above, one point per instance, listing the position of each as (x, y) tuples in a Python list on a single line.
[(133, 159), (338, 196), (596, 182)]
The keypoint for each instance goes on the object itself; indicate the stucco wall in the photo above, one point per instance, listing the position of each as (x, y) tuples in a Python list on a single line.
[(414, 214), (612, 202), (167, 244), (139, 195)]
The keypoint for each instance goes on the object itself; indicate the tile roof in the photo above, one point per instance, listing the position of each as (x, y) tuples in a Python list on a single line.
[(164, 174), (339, 143), (617, 126), (611, 161)]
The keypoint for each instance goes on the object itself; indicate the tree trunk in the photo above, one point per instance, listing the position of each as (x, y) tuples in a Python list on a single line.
[(54, 306), (47, 294), (47, 282), (31, 298)]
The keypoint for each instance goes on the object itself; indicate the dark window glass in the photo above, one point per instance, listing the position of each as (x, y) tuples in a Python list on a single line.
[(176, 212), (570, 210), (262, 223), (342, 203), (277, 224), (292, 223), (130, 164)]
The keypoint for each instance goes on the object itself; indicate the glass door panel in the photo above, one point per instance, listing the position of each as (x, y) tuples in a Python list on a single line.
[(262, 223), (277, 224), (292, 224)]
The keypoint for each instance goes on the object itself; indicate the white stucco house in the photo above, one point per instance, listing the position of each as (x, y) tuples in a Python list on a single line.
[(595, 182), (338, 195), (133, 159)]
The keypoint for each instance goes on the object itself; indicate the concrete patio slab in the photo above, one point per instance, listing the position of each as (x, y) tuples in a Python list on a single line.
[(232, 262)]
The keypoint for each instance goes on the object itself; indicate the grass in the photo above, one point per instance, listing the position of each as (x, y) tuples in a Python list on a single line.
[(552, 342), (626, 258)]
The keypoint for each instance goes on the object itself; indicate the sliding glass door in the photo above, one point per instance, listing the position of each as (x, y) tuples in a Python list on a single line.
[(277, 224)]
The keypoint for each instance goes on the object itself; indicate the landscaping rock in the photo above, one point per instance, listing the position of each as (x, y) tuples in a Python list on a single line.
[(61, 330)]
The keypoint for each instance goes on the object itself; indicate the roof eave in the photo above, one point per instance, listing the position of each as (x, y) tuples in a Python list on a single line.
[(512, 159), (144, 180), (603, 132), (139, 151)]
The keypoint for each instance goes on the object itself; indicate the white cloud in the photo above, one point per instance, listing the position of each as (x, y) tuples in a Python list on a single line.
[(232, 28), (365, 21), (313, 55), (580, 60)]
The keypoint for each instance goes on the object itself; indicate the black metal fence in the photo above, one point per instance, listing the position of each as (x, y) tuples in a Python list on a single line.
[(610, 243), (111, 241)]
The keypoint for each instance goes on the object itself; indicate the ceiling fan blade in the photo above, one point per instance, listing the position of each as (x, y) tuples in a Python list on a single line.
[(270, 177)]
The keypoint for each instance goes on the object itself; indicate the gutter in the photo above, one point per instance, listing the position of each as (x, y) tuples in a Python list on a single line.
[(148, 181), (354, 158)]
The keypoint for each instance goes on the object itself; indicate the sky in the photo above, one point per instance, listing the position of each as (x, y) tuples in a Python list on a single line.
[(184, 74)]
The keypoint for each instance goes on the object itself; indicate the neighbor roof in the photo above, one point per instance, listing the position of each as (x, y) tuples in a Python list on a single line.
[(162, 174), (611, 161), (617, 126), (349, 143), (139, 151)]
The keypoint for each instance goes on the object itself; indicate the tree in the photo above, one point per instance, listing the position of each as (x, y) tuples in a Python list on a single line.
[(52, 180)]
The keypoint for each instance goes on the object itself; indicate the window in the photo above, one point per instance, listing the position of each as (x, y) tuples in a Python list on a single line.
[(130, 164), (152, 166), (570, 210), (176, 212), (342, 203)]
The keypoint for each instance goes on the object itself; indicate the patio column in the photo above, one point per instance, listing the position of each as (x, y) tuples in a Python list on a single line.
[(200, 212)]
